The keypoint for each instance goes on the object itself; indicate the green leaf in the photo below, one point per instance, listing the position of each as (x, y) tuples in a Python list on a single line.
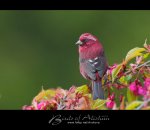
[(82, 89), (133, 105), (112, 88), (128, 77), (45, 94), (147, 74), (134, 53), (98, 104), (50, 92), (89, 96), (122, 104), (130, 96), (116, 71), (145, 55), (123, 80)]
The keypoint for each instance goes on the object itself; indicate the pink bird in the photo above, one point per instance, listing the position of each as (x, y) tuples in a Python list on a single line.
[(93, 64)]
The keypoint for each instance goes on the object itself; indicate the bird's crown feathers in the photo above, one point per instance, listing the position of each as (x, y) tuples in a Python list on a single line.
[(88, 36)]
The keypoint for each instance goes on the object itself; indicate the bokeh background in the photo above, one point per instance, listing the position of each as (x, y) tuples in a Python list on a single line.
[(37, 48)]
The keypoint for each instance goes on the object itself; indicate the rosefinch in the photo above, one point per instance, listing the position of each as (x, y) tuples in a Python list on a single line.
[(93, 64)]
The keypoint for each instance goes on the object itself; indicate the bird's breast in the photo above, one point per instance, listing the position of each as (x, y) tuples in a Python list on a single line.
[(90, 52)]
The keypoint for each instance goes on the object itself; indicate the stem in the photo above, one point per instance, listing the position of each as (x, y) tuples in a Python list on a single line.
[(144, 64), (139, 72), (121, 84)]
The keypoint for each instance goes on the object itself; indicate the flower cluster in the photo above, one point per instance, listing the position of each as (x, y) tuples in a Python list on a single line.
[(76, 98), (137, 88), (126, 85)]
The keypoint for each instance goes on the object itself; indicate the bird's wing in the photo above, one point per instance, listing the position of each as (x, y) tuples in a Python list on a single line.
[(91, 66), (102, 66)]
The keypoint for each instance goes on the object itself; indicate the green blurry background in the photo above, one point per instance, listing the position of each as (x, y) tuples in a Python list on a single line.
[(37, 48)]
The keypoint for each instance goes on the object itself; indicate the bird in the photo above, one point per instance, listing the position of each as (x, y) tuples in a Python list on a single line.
[(92, 62)]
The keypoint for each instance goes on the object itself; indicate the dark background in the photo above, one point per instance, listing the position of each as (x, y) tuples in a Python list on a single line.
[(37, 48)]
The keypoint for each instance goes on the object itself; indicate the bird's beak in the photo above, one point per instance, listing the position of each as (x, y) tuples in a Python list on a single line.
[(79, 43)]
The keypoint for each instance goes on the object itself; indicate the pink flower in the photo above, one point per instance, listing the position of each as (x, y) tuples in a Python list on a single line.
[(141, 91), (147, 87), (110, 104), (112, 96), (137, 89), (133, 88), (147, 47), (42, 105), (72, 89), (147, 83), (111, 68), (133, 66), (139, 59), (147, 96), (28, 108)]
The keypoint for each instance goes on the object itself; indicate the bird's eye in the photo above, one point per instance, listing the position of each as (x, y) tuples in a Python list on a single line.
[(84, 40)]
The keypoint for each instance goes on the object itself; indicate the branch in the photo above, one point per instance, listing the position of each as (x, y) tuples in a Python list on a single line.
[(144, 64), (128, 72)]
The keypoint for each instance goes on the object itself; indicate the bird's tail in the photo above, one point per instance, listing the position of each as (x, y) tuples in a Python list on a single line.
[(98, 91)]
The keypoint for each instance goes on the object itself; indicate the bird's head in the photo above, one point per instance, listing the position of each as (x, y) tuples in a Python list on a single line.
[(86, 39)]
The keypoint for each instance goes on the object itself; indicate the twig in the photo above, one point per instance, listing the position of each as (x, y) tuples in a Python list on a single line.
[(142, 105), (144, 64), (115, 81), (121, 84)]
